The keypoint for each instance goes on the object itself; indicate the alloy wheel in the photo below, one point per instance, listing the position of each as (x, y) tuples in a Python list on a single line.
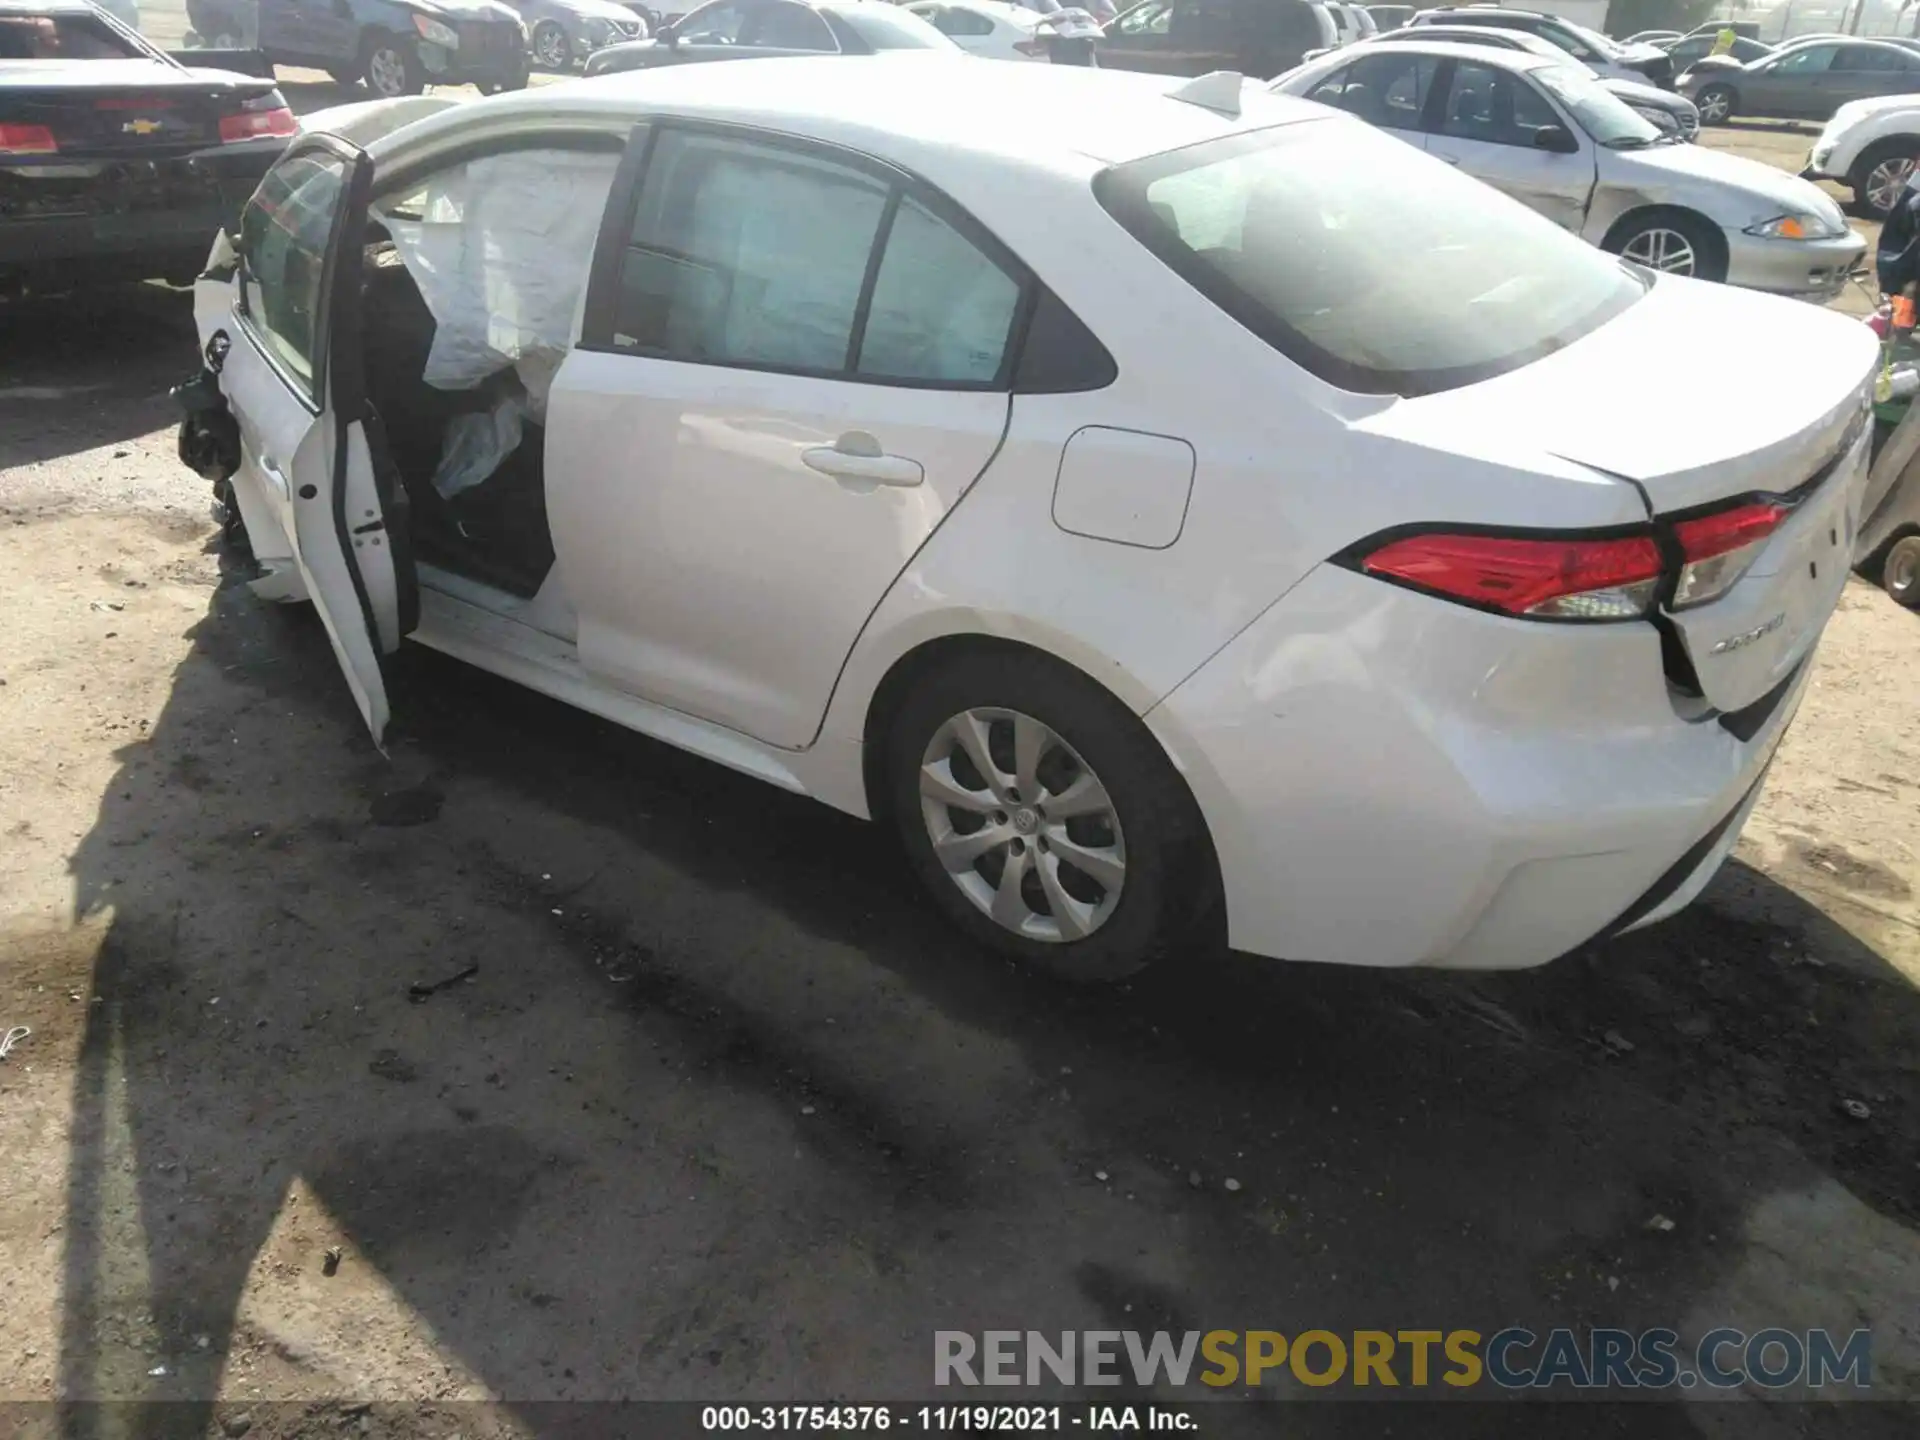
[(1885, 182), (1022, 825), (1901, 572), (1659, 248), (387, 72), (1714, 107), (550, 47)]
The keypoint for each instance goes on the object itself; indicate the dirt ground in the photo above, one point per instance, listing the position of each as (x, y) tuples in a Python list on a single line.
[(726, 1113)]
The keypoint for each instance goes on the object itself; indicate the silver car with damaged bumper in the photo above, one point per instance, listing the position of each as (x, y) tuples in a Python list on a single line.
[(1673, 114), (1550, 135)]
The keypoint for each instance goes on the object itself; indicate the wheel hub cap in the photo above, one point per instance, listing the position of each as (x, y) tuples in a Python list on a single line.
[(388, 71), (1886, 182), (1022, 825), (1667, 251)]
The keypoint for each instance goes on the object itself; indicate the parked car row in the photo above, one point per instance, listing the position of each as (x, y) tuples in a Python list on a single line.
[(398, 47), (1672, 114)]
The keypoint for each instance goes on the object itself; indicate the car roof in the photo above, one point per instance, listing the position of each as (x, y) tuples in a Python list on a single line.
[(1485, 9), (910, 110), (1523, 39), (47, 7), (1878, 42), (1478, 54), (1006, 9)]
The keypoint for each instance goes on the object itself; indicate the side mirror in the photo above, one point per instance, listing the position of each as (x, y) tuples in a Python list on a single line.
[(1556, 138)]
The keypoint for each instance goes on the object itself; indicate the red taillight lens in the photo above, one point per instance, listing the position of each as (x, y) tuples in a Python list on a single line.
[(1535, 576), (27, 140), (1719, 548), (257, 125), (1031, 47)]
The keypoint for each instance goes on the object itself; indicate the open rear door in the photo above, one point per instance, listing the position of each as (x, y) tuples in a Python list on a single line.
[(307, 431)]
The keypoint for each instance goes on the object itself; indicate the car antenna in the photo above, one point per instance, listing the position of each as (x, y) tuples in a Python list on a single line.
[(1217, 90)]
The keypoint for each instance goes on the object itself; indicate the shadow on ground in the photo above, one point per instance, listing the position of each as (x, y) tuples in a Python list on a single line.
[(55, 396), (726, 1112)]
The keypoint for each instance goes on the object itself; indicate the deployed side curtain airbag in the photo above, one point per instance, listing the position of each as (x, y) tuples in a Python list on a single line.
[(500, 251)]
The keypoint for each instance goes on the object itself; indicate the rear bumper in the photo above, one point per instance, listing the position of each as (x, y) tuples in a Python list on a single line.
[(1804, 269), (1392, 780), (130, 220)]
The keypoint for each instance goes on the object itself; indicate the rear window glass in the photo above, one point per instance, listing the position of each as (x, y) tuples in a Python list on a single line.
[(61, 37), (1367, 263)]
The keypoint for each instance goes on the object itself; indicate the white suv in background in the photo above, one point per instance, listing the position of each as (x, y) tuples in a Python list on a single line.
[(1870, 145)]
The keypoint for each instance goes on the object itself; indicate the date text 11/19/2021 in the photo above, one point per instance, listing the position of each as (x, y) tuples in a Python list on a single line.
[(937, 1419)]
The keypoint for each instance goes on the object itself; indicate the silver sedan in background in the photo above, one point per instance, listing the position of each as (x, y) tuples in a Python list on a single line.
[(561, 33), (1674, 114), (1550, 135)]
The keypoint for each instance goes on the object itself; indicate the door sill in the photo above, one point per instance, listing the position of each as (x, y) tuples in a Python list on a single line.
[(547, 610), (483, 635)]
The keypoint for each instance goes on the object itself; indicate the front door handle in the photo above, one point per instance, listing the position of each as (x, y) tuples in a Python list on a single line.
[(857, 457)]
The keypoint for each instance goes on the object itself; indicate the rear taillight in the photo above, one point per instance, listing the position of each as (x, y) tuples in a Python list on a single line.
[(257, 125), (27, 140), (1619, 576), (260, 116), (1717, 549), (1544, 578), (1031, 47)]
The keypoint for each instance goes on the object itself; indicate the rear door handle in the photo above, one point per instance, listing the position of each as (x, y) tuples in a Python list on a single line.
[(857, 457)]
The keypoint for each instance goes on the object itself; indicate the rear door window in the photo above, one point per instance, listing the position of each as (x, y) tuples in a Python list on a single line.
[(1495, 107), (1869, 58), (747, 254), (942, 310), (771, 257), (782, 26), (1389, 89)]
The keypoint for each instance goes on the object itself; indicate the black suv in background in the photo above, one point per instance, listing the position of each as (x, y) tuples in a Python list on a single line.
[(1258, 38), (398, 47)]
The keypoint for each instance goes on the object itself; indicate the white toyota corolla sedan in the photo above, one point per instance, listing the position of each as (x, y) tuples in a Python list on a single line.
[(1154, 500)]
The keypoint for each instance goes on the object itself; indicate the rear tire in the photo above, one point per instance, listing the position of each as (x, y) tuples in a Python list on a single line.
[(550, 46), (1881, 173), (1900, 571), (1716, 104), (1090, 895), (392, 68)]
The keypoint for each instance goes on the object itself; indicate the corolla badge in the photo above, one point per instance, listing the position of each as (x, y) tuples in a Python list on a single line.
[(1747, 637)]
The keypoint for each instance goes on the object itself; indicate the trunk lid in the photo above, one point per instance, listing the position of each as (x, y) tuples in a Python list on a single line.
[(1701, 395), (121, 109)]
